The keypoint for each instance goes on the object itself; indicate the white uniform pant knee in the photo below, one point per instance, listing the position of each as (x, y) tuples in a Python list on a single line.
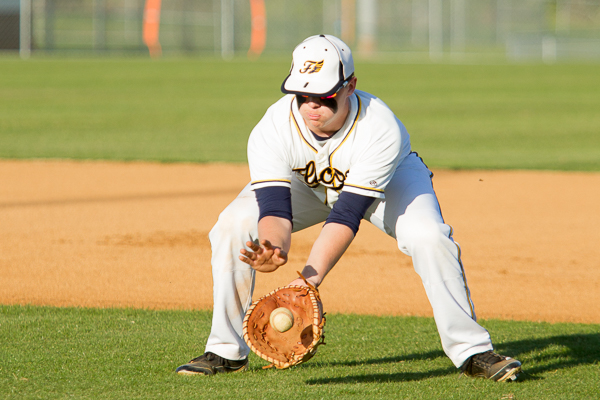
[(411, 214)]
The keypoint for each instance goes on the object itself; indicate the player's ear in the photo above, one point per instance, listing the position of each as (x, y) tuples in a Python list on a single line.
[(351, 85)]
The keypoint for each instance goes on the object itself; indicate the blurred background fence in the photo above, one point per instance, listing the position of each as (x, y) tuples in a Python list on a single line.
[(548, 30)]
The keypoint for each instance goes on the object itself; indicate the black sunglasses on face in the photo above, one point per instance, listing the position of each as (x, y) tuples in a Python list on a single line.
[(326, 97)]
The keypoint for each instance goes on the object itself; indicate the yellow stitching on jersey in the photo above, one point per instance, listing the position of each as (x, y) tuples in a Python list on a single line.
[(271, 180), (298, 127), (349, 132), (366, 188)]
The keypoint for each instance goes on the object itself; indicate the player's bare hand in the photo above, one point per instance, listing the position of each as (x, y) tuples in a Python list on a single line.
[(298, 282), (264, 257)]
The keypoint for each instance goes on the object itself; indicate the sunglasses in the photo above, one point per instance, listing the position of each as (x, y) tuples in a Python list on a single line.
[(327, 97)]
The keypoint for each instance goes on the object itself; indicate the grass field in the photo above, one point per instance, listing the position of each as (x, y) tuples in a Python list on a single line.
[(58, 353), (476, 116), (459, 116)]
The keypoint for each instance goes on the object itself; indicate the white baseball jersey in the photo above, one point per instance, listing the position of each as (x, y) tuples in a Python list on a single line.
[(360, 158)]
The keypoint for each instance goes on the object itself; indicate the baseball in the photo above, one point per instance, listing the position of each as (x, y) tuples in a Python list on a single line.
[(281, 319)]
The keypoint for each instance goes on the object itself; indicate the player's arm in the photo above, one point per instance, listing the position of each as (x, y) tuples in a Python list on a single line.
[(329, 247), (274, 230), (338, 232)]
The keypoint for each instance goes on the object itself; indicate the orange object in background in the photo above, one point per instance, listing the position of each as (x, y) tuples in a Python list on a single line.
[(258, 36), (151, 26)]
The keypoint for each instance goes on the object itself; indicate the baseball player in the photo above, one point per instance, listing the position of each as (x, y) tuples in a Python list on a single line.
[(327, 153)]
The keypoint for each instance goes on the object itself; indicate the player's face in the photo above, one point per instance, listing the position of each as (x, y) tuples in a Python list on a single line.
[(325, 116)]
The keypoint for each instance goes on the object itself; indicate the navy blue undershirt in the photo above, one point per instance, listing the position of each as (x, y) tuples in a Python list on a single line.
[(348, 210), (274, 201), (319, 138)]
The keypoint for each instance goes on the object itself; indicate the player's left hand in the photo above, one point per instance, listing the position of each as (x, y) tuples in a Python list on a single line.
[(264, 257), (313, 281), (302, 282)]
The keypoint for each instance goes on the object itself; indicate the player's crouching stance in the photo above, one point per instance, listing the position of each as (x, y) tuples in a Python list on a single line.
[(327, 152)]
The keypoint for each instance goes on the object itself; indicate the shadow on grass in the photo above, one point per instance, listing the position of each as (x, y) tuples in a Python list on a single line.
[(386, 360), (539, 356), (553, 353), (381, 378)]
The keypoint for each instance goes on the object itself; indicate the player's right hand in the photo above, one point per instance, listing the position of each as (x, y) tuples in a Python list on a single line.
[(264, 257)]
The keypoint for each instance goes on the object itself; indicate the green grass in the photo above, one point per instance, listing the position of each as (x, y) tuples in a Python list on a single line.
[(129, 109), (59, 353), (498, 116), (201, 110)]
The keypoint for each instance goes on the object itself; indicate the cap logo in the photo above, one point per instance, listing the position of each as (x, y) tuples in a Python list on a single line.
[(310, 67)]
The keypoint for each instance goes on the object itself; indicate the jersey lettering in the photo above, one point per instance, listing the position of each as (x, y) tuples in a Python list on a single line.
[(329, 177)]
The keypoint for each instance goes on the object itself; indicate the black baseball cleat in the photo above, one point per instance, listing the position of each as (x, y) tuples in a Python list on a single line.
[(210, 364), (492, 366)]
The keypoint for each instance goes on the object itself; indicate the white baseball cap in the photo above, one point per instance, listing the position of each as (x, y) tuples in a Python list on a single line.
[(320, 66)]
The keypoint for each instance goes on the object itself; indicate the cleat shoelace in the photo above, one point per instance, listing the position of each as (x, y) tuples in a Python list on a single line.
[(488, 358)]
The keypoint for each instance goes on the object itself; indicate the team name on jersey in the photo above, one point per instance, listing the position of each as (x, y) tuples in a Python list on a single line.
[(330, 177)]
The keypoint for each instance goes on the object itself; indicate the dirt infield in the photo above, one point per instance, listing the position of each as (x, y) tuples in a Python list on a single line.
[(135, 234)]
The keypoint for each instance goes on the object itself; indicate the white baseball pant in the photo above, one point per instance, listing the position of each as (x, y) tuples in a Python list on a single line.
[(410, 213)]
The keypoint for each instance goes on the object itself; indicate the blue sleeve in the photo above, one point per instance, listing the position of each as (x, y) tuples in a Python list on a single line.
[(274, 201), (349, 210)]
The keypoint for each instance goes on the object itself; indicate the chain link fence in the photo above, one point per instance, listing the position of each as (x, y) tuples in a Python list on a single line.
[(549, 30)]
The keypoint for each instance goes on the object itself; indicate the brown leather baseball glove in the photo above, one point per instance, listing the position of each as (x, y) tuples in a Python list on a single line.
[(295, 345)]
